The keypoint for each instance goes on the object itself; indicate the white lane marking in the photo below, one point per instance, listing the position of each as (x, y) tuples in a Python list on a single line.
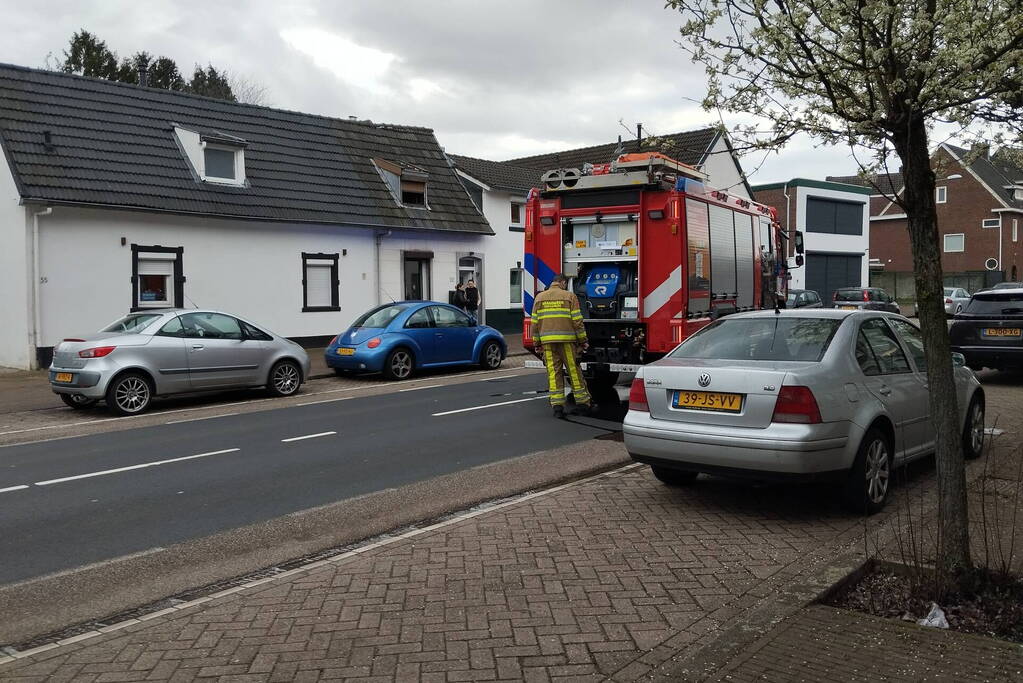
[(135, 467), (428, 386), (36, 429), (14, 488), (489, 405), (196, 419), (325, 400), (307, 436)]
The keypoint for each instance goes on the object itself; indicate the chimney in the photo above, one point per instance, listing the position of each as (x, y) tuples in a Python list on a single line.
[(143, 74)]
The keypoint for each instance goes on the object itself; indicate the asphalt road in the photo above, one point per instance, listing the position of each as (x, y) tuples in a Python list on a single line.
[(72, 502)]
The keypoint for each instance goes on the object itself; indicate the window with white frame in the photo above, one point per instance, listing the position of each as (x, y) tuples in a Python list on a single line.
[(156, 278), (941, 194), (219, 163), (991, 223), (515, 286), (1015, 230), (215, 157), (320, 283), (516, 213), (955, 242)]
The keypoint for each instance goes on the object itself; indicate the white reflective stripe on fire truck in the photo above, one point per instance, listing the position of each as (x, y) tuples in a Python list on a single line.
[(610, 367), (660, 296)]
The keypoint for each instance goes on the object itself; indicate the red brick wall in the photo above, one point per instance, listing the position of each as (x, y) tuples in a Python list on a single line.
[(968, 203), (776, 198)]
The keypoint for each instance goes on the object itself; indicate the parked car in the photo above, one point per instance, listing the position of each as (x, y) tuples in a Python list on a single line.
[(864, 298), (813, 395), (803, 298), (403, 337), (1008, 285), (173, 351), (989, 333), (956, 299)]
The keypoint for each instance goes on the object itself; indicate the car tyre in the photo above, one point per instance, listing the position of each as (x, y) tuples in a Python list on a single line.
[(399, 364), (129, 394), (870, 479), (491, 356), (674, 477), (285, 378), (77, 401), (973, 430)]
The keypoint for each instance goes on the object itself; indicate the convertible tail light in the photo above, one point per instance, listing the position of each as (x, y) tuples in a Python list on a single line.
[(637, 396), (374, 342), (796, 404), (96, 352)]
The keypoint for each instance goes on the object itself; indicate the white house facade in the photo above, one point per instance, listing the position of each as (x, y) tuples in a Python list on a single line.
[(300, 223)]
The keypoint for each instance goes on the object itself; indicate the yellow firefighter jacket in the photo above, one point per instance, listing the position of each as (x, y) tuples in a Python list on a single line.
[(557, 318)]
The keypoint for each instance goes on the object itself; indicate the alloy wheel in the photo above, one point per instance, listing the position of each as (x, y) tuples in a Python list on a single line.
[(285, 378), (977, 428), (878, 470), (132, 394), (401, 364), (493, 355)]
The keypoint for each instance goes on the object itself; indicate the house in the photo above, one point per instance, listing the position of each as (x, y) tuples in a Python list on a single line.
[(979, 204), (115, 197), (499, 189), (835, 221)]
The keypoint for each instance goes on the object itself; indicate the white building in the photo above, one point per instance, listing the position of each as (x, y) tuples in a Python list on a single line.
[(835, 221), (500, 188), (115, 198)]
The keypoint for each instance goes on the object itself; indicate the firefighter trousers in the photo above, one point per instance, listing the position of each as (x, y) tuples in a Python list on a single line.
[(557, 357)]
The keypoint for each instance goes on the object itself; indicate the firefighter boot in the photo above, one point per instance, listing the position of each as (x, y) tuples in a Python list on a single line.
[(559, 412)]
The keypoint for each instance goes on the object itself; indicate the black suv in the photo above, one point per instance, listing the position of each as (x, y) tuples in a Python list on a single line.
[(989, 332), (864, 299)]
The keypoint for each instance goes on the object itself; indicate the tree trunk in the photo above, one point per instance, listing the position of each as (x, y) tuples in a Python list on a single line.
[(953, 551)]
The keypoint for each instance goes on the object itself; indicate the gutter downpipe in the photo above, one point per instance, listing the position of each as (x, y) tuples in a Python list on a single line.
[(34, 361), (378, 238), (788, 228)]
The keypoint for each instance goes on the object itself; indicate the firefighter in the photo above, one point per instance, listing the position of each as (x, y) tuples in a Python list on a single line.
[(559, 335)]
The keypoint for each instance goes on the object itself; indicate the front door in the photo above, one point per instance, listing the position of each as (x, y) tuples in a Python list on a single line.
[(420, 329), (911, 338), (470, 269), (169, 354), (827, 272), (417, 279), (455, 334), (889, 377), (219, 353)]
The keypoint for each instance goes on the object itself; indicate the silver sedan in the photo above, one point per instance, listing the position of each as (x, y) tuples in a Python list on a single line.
[(814, 395), (173, 351)]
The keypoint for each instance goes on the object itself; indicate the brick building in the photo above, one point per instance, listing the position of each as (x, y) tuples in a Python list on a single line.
[(980, 212)]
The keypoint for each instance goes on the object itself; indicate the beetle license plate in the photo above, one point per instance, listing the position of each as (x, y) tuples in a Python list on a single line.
[(345, 351), (64, 377), (1003, 332), (707, 400)]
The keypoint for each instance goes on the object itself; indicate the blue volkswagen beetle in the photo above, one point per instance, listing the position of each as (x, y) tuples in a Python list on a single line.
[(402, 337)]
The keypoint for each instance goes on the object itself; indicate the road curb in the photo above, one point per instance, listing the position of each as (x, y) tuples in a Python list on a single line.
[(330, 373)]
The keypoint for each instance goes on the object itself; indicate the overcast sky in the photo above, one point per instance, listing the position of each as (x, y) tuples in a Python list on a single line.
[(494, 79)]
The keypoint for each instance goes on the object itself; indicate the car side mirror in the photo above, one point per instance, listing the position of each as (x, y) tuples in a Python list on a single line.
[(799, 242), (958, 360)]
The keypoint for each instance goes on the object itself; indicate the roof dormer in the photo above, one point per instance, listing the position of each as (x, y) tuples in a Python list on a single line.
[(215, 157), (407, 183)]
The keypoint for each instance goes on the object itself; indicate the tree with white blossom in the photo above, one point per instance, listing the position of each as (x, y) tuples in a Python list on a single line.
[(877, 76)]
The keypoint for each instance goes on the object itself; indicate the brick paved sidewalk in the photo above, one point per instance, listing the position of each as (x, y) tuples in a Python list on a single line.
[(827, 644), (608, 577)]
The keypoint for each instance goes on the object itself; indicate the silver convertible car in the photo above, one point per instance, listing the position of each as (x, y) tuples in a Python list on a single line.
[(173, 351), (814, 394)]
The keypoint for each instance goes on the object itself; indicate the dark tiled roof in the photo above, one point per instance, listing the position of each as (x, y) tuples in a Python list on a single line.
[(888, 183), (113, 144), (994, 171), (689, 147), (500, 175)]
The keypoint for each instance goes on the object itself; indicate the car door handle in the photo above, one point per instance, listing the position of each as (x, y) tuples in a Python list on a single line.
[(198, 347), (884, 390)]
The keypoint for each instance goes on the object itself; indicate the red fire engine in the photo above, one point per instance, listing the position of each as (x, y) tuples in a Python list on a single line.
[(652, 253)]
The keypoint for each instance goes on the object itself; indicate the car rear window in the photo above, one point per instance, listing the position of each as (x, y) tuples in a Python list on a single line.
[(130, 324), (849, 295), (778, 338), (380, 317), (995, 303)]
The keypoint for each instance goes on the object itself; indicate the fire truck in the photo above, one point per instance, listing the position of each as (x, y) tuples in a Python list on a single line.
[(653, 255)]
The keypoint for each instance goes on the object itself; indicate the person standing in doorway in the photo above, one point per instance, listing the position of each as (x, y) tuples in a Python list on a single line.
[(472, 300), (458, 299), (559, 337)]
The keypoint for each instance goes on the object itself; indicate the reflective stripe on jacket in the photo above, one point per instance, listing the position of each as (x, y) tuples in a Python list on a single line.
[(557, 318)]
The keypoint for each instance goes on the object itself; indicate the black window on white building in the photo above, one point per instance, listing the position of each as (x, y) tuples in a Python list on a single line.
[(320, 283), (157, 280), (835, 217)]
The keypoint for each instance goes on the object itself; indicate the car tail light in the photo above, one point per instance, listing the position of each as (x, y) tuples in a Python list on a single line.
[(866, 295), (74, 340), (637, 396), (97, 352), (834, 296), (334, 340), (374, 342), (948, 301), (796, 404)]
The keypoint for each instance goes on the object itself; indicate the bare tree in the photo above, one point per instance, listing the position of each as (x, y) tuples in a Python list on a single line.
[(876, 74), (249, 91)]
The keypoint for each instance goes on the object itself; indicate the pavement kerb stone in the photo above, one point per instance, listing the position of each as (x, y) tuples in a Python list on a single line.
[(233, 593)]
